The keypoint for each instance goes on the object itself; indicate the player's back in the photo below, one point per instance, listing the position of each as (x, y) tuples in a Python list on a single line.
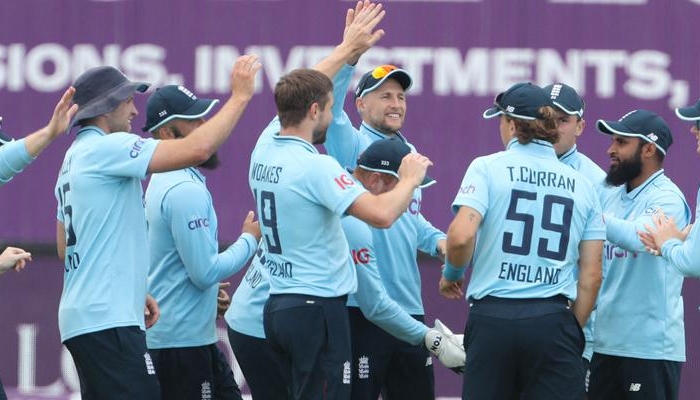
[(300, 196), (100, 204), (535, 212)]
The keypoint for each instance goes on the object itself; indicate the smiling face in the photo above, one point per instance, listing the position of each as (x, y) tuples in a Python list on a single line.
[(384, 108)]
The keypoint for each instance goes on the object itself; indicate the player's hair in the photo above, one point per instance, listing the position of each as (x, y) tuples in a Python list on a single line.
[(543, 128), (297, 91)]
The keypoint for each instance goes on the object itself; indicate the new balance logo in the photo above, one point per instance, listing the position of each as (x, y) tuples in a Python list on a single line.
[(635, 387)]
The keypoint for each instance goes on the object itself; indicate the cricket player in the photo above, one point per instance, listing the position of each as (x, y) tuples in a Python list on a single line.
[(101, 229), (186, 266), (15, 155), (570, 108), (401, 370), (524, 220), (679, 247), (640, 336)]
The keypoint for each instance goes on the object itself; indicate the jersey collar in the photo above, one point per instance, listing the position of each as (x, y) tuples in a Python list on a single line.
[(379, 135), (295, 140), (639, 189), (535, 147), (568, 154)]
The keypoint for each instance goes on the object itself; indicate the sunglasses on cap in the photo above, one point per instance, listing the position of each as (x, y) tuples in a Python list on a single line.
[(382, 71)]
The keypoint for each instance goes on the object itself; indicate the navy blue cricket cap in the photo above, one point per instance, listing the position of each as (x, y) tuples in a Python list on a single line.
[(522, 100), (689, 113), (173, 101), (3, 137), (385, 156), (643, 124), (565, 98), (374, 78)]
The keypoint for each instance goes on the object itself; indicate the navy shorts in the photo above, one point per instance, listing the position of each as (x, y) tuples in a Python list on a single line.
[(262, 370), (614, 377), (311, 338), (114, 364), (200, 372), (523, 348), (384, 364)]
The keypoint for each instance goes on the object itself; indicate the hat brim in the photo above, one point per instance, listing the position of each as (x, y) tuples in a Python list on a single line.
[(565, 110), (691, 113), (199, 109), (107, 102), (618, 128), (427, 180), (492, 112)]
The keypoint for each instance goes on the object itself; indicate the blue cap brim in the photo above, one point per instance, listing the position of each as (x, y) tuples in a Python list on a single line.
[(691, 113), (199, 109), (492, 112), (618, 128)]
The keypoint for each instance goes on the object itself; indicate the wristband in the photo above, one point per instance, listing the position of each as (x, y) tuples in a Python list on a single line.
[(452, 273)]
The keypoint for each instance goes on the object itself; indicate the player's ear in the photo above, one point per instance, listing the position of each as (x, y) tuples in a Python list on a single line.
[(359, 104), (580, 126)]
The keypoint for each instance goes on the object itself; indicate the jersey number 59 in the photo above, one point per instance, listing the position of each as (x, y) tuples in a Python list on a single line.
[(547, 223)]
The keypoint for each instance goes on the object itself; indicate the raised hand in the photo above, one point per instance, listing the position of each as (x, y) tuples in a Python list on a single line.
[(243, 76)]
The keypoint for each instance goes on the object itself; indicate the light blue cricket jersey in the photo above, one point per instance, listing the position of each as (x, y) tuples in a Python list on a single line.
[(580, 162), (535, 212), (685, 256), (14, 157), (186, 267), (245, 315), (640, 308), (300, 197), (371, 296), (397, 246), (100, 203)]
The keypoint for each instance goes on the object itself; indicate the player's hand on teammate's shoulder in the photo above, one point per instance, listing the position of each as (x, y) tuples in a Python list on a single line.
[(413, 167), (243, 75), (251, 225)]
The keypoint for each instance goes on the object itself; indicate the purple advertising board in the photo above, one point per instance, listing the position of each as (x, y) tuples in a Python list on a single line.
[(620, 54)]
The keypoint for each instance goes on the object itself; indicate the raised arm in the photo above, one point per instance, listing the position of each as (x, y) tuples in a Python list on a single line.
[(382, 210), (198, 146)]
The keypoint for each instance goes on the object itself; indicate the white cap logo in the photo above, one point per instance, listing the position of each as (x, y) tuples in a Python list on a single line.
[(653, 137)]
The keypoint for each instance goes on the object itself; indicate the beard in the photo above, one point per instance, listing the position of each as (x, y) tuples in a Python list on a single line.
[(625, 171), (319, 135), (212, 163)]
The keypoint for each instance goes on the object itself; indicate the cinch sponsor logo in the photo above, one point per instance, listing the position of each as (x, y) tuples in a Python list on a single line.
[(414, 206), (136, 148), (344, 181), (198, 223), (611, 251), (360, 256), (467, 189)]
